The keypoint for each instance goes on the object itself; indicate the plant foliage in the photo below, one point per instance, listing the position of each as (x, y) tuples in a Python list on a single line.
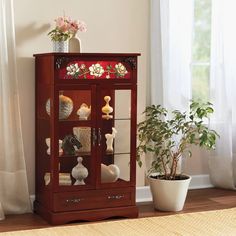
[(169, 138)]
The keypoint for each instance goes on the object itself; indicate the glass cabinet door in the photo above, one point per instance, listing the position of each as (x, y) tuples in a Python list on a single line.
[(75, 128), (115, 135), (43, 132)]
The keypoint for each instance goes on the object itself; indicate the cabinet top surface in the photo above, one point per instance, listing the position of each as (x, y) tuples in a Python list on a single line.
[(87, 54)]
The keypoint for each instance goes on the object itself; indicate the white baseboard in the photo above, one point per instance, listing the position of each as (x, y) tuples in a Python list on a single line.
[(200, 181), (143, 194)]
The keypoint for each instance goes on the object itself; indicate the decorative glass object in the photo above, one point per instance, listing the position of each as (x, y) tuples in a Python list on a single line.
[(79, 172), (107, 109), (60, 46)]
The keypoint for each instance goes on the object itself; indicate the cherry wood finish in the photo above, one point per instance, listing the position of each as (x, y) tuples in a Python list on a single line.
[(197, 200), (94, 200)]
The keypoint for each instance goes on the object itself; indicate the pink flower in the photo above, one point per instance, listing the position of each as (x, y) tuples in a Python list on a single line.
[(60, 22), (66, 28), (82, 26)]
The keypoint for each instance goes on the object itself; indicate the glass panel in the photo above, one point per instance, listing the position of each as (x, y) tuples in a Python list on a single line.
[(202, 31), (115, 166), (122, 104), (77, 69), (75, 171), (43, 140), (200, 83), (75, 161), (122, 139), (75, 152), (123, 163)]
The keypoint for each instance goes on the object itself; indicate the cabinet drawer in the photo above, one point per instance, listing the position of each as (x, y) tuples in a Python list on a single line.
[(92, 199)]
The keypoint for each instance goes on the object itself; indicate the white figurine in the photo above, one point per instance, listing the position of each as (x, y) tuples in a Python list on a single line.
[(109, 139), (109, 173), (79, 172), (47, 140), (84, 111)]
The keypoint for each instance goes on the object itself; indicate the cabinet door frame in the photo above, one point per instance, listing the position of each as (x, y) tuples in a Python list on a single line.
[(133, 121), (55, 125)]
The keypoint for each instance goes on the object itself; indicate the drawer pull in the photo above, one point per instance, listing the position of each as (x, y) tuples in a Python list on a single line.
[(75, 200), (115, 196)]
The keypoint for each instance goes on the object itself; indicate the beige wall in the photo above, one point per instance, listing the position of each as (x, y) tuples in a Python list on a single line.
[(113, 26)]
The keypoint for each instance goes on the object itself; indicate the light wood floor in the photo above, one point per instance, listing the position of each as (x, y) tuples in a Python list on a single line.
[(197, 200)]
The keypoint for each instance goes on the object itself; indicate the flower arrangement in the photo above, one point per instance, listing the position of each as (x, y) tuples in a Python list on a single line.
[(66, 28)]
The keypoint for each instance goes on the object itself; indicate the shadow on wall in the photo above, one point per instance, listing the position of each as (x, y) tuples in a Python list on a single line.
[(30, 31), (26, 83)]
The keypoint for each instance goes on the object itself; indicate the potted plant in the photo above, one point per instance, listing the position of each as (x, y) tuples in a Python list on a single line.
[(169, 139)]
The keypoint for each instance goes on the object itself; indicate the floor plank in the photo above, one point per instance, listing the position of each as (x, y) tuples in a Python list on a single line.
[(197, 200)]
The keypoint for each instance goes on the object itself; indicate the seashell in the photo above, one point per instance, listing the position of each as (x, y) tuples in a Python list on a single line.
[(65, 107)]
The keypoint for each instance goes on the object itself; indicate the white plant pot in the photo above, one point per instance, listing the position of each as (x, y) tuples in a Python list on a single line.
[(169, 195)]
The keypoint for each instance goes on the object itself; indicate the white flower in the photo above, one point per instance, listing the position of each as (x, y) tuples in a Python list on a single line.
[(96, 70), (108, 76), (121, 70), (72, 69)]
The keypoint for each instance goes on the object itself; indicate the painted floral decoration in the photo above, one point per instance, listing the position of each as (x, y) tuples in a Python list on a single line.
[(73, 69), (120, 69), (95, 70), (66, 28)]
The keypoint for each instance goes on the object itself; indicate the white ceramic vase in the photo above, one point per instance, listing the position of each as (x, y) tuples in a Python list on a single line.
[(79, 172), (169, 195), (75, 44)]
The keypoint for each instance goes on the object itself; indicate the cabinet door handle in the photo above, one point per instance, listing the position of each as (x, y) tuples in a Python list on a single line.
[(99, 137), (75, 200), (94, 136), (115, 196)]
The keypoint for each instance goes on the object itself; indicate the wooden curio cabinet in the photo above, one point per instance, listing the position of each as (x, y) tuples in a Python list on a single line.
[(85, 136)]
